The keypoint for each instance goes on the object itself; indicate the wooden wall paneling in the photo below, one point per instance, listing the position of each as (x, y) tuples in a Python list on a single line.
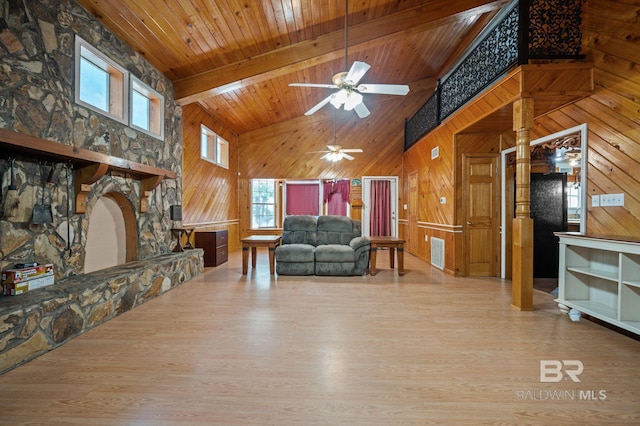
[(611, 114), (477, 127), (284, 150), (210, 194), (435, 180)]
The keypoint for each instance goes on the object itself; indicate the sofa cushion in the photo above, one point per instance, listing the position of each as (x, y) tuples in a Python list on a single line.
[(334, 230), (335, 253), (295, 253), (300, 230), (295, 268)]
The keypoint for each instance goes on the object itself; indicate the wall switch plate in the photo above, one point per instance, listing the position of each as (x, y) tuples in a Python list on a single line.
[(612, 200), (443, 200), (595, 201), (426, 238), (406, 206)]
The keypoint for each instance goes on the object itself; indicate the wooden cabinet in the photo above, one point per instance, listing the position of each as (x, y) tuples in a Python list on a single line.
[(601, 277), (215, 245)]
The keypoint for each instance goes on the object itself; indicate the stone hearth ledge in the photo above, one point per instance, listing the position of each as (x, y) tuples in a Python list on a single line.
[(36, 322)]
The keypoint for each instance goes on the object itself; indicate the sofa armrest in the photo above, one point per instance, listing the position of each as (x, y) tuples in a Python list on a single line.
[(359, 242)]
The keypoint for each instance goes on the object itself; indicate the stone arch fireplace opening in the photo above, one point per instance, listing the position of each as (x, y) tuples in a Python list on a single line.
[(112, 233)]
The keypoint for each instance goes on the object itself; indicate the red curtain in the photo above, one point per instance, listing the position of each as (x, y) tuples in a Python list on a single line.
[(380, 218), (303, 199), (336, 195)]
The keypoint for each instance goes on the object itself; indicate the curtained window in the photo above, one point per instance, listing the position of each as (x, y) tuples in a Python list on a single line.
[(336, 194), (302, 198)]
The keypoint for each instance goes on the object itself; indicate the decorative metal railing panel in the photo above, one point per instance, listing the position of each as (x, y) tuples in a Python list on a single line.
[(497, 53), (425, 118), (555, 28), (548, 29)]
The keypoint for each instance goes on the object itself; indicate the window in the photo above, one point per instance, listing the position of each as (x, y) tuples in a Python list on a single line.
[(213, 147), (263, 203), (302, 197), (101, 84), (147, 109)]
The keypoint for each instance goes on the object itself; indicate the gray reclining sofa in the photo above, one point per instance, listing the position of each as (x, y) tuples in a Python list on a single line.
[(322, 245)]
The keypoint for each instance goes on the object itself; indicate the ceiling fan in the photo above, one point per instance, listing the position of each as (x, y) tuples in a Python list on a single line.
[(336, 152), (350, 92)]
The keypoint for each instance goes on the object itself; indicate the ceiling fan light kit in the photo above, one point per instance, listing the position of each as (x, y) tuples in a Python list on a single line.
[(333, 156)]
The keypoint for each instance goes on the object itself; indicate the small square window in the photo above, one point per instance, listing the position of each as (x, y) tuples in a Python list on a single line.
[(213, 147), (100, 84), (147, 109)]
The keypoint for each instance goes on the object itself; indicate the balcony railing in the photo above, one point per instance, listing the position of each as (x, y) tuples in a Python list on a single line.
[(525, 30)]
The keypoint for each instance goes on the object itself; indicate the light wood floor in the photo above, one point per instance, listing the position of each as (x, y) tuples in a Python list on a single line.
[(420, 349)]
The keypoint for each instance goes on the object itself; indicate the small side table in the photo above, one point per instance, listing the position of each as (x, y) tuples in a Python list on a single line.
[(253, 242), (178, 233), (393, 244)]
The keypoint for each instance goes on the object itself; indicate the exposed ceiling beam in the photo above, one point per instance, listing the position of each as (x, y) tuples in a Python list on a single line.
[(324, 48)]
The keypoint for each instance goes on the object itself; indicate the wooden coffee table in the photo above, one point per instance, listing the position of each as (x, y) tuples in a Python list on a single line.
[(253, 242), (393, 244)]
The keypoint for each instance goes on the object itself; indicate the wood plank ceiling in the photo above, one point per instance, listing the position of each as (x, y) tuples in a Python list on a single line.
[(236, 59)]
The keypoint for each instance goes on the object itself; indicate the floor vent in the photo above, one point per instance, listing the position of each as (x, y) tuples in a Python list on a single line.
[(437, 252)]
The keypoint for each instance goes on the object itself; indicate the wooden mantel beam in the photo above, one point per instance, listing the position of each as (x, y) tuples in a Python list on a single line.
[(89, 165), (327, 47), (44, 148)]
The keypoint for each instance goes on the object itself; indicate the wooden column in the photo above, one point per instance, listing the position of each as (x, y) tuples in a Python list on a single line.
[(522, 279)]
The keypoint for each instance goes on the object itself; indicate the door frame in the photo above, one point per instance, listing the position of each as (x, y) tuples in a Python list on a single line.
[(366, 202), (583, 129)]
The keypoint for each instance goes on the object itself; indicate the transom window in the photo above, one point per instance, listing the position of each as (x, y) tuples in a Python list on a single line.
[(213, 147), (107, 88), (101, 84), (146, 109)]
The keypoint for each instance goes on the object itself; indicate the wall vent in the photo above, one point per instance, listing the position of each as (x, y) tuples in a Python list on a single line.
[(437, 252)]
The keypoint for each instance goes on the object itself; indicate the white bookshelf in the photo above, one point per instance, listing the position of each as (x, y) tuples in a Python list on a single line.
[(600, 277)]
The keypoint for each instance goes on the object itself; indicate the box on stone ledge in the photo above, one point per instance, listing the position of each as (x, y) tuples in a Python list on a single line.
[(21, 280), (19, 275)]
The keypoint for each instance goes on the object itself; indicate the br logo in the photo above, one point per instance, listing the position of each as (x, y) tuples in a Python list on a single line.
[(553, 370)]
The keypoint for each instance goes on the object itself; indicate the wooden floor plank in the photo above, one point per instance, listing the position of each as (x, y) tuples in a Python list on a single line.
[(227, 348)]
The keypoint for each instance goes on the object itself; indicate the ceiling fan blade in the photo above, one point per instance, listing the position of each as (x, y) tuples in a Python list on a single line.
[(357, 71), (324, 86), (347, 156), (352, 150), (362, 110), (320, 104), (384, 89)]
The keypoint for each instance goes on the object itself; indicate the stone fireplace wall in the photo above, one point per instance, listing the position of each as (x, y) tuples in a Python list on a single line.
[(37, 98)]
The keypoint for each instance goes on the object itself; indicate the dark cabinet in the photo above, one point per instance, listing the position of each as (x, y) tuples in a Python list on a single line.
[(215, 245)]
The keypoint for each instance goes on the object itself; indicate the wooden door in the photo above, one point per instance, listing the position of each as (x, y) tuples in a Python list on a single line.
[(413, 242), (481, 214)]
